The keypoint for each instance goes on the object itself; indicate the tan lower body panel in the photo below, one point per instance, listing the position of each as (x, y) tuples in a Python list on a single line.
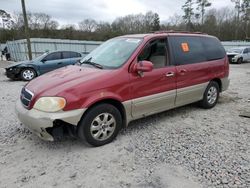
[(225, 83), (149, 105), (152, 104), (190, 94)]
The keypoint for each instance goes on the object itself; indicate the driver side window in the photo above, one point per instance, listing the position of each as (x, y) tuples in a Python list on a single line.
[(156, 52), (53, 56)]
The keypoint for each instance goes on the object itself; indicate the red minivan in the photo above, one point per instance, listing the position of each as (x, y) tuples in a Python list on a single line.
[(124, 79)]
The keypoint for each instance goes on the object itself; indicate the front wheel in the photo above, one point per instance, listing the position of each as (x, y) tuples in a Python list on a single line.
[(240, 61), (28, 74), (211, 95), (100, 125)]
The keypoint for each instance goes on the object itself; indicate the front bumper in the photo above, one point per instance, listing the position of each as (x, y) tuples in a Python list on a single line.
[(234, 59), (12, 73), (37, 121)]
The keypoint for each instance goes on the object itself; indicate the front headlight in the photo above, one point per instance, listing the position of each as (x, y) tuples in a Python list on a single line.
[(50, 104), (236, 56)]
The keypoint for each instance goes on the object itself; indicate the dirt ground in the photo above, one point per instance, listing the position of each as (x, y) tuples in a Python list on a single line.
[(184, 147)]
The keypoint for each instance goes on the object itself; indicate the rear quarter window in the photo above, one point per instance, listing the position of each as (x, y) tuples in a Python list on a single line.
[(67, 55), (213, 48), (193, 49)]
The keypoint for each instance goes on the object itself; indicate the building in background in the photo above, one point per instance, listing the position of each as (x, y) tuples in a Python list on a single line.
[(19, 52)]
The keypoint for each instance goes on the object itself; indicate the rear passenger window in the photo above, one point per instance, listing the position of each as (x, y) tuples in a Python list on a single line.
[(75, 54), (213, 48), (187, 50)]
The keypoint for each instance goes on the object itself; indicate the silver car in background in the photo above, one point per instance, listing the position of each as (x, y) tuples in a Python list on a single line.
[(239, 55)]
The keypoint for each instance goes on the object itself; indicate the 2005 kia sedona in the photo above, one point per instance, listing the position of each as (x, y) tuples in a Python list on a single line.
[(125, 78)]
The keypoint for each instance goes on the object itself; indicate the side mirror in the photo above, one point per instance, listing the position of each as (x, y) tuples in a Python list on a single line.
[(43, 60), (143, 66)]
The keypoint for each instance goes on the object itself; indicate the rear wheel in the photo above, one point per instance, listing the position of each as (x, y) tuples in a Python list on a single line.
[(100, 125), (28, 74), (211, 95)]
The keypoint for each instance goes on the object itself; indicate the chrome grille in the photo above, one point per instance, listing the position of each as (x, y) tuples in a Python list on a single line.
[(26, 97)]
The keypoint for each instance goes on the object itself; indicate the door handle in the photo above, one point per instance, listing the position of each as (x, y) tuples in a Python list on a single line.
[(170, 74), (183, 71), (59, 63)]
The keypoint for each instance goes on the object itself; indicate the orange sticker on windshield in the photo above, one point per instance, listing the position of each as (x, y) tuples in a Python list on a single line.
[(185, 47)]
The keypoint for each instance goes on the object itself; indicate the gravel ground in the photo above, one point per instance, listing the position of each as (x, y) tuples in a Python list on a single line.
[(184, 147)]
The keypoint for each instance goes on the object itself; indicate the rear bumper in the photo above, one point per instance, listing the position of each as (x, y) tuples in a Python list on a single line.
[(225, 83), (38, 121)]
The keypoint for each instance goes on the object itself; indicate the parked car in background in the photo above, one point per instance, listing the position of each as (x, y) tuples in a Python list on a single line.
[(124, 79), (28, 70), (239, 55)]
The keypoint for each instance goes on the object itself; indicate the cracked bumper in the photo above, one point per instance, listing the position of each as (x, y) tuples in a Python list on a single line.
[(37, 121)]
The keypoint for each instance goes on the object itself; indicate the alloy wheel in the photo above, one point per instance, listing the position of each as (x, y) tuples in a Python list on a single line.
[(212, 95), (103, 126), (28, 74)]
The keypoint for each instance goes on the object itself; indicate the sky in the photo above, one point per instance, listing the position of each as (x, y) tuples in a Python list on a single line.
[(70, 12)]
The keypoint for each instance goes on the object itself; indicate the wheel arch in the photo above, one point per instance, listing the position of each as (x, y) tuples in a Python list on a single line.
[(116, 103), (28, 67), (218, 81)]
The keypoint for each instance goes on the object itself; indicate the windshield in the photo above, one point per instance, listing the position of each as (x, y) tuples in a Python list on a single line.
[(239, 51), (113, 53), (40, 57)]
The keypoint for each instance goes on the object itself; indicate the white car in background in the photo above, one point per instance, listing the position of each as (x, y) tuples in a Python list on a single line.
[(239, 55)]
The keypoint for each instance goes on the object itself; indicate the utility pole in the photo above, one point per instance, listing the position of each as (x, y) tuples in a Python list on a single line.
[(26, 29)]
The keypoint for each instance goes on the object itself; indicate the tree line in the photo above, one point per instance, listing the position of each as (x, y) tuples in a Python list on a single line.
[(225, 23)]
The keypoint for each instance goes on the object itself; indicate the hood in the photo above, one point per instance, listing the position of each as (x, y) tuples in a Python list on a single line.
[(19, 63), (233, 53), (64, 79)]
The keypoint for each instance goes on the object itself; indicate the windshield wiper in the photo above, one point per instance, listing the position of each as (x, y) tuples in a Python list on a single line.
[(89, 62)]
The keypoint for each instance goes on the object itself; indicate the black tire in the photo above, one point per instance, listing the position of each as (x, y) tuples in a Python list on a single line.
[(209, 101), (240, 61), (28, 74), (89, 121)]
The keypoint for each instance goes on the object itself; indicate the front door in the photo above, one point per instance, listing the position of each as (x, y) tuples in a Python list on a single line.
[(155, 91), (51, 62), (245, 54)]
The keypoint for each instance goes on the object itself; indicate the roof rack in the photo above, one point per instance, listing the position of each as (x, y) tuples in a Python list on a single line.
[(173, 31)]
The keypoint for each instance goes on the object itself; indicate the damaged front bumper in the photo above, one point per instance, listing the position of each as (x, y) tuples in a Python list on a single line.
[(38, 121)]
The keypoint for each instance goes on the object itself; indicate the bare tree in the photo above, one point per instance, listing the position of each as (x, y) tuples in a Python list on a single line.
[(36, 21), (87, 25), (175, 19)]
